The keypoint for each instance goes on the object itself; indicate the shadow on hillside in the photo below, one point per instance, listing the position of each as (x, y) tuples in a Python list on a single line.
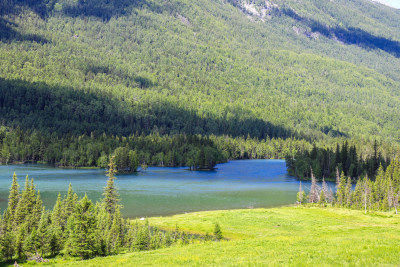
[(40, 7), (351, 36), (8, 33), (62, 110), (105, 10)]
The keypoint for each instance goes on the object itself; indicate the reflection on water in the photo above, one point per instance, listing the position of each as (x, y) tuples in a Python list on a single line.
[(165, 191)]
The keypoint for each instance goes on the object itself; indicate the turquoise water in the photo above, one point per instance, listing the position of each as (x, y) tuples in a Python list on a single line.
[(165, 191)]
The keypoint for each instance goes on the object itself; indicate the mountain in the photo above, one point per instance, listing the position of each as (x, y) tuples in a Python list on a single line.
[(312, 69)]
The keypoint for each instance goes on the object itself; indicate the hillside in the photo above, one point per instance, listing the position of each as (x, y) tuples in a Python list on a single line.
[(291, 236), (267, 69)]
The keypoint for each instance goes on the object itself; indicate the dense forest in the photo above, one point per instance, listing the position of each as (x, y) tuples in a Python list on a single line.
[(76, 227), (77, 74), (381, 193), (326, 162)]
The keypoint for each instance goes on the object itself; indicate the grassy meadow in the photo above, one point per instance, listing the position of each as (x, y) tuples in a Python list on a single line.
[(295, 236)]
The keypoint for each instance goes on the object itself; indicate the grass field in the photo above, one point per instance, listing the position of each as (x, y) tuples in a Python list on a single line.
[(296, 236)]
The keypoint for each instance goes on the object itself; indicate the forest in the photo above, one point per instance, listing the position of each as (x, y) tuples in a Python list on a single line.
[(76, 79), (127, 84), (326, 162), (76, 227), (379, 194)]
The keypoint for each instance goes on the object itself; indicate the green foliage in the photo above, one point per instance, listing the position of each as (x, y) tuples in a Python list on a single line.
[(380, 194), (218, 232), (324, 161), (75, 227), (164, 68)]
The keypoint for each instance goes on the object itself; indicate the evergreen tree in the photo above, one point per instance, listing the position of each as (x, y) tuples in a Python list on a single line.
[(56, 216), (324, 194), (19, 242), (115, 233), (341, 190), (13, 200), (24, 205), (82, 230), (347, 193), (218, 232), (110, 192), (43, 232), (68, 204)]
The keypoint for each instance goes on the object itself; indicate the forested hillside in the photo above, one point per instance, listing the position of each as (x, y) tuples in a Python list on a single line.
[(218, 70)]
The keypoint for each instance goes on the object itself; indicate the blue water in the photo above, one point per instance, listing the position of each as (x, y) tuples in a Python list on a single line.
[(164, 191)]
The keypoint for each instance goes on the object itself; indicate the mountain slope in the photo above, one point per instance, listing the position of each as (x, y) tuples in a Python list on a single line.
[(311, 69)]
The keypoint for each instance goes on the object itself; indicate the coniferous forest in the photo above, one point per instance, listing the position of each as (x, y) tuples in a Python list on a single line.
[(127, 84), (77, 227), (79, 79), (379, 194)]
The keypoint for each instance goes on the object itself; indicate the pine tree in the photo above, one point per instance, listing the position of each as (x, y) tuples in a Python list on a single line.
[(68, 204), (7, 246), (56, 215), (43, 232), (115, 234), (341, 190), (110, 192), (356, 196), (24, 205), (323, 196), (217, 232), (13, 200), (366, 196), (347, 192), (19, 241), (380, 187), (32, 242), (36, 214), (82, 227)]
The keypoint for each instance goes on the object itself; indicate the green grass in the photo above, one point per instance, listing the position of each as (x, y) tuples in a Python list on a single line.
[(296, 236)]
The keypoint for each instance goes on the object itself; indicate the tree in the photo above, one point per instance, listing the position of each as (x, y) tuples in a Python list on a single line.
[(110, 192), (313, 195), (324, 194), (218, 232), (366, 197), (341, 190), (300, 195), (347, 192), (13, 200), (82, 228)]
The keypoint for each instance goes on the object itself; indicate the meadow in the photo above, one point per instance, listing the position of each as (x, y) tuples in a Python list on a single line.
[(287, 236)]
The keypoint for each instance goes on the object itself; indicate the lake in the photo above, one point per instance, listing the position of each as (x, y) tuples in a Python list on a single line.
[(165, 191)]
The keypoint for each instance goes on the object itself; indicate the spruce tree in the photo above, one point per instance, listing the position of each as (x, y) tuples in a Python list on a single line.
[(68, 204), (56, 215), (82, 227), (13, 200), (110, 192), (19, 242), (347, 192), (115, 233), (24, 205), (218, 232), (43, 232), (341, 190)]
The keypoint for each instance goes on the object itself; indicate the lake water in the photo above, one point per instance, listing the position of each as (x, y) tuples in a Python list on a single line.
[(165, 191)]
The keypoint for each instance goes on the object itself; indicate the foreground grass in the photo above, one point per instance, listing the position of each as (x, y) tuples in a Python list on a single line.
[(281, 236)]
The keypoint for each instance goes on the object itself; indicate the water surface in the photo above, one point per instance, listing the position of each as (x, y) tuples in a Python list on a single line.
[(165, 191)]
